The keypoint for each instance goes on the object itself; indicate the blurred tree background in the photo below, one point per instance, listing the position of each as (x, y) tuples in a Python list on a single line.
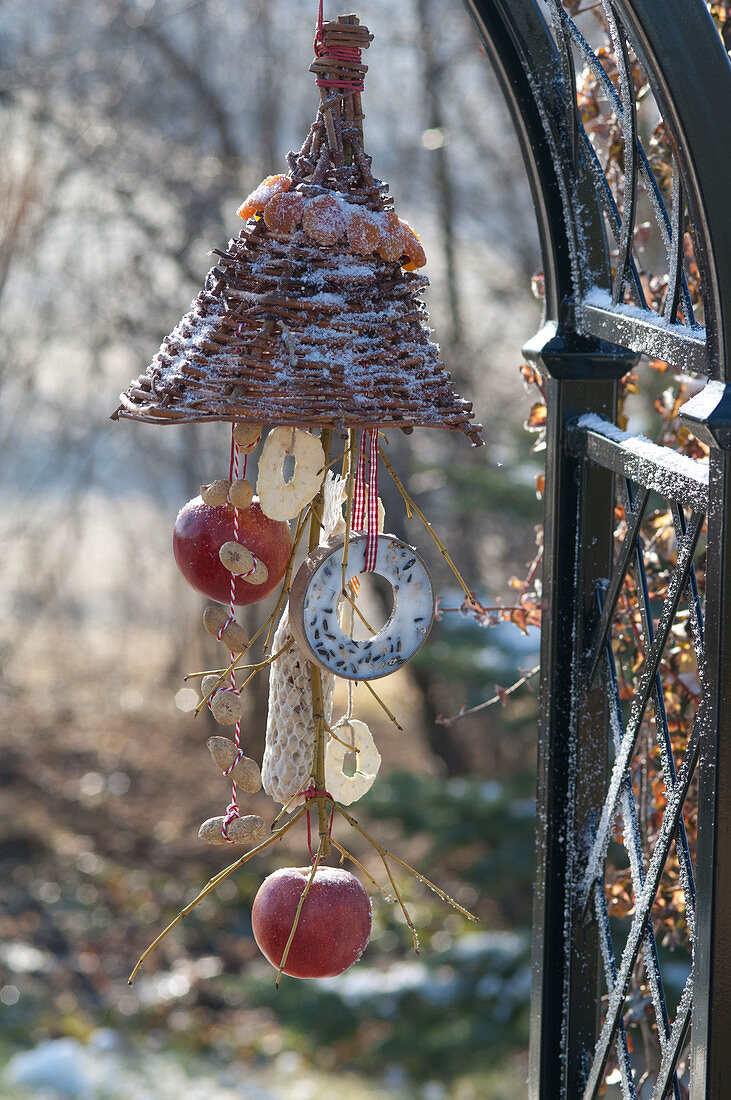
[(131, 131)]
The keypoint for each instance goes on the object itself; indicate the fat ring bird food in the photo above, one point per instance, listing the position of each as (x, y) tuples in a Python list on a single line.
[(350, 735), (280, 499), (313, 608)]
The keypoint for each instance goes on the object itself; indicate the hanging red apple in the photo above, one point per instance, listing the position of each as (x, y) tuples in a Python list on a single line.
[(200, 532), (334, 925)]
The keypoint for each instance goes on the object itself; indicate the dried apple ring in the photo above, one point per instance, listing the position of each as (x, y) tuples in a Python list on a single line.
[(350, 735), (260, 196), (280, 499), (364, 233), (391, 246), (413, 248), (323, 219), (284, 211)]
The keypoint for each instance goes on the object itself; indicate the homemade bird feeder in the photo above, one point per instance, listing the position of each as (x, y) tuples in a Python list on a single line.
[(311, 326)]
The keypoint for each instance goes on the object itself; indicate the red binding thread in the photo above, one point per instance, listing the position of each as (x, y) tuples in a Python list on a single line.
[(308, 795), (351, 55)]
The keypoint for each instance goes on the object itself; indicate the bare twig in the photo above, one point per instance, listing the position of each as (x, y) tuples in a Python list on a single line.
[(411, 507), (464, 711), (211, 885)]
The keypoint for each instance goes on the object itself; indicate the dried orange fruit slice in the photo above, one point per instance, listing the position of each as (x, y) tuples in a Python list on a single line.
[(364, 232), (413, 248), (324, 220), (260, 196), (391, 246), (284, 211)]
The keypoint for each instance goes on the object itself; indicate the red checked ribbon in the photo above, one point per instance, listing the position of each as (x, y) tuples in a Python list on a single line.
[(359, 497), (351, 55)]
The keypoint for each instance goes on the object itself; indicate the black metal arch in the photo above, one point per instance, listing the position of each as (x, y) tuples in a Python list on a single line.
[(597, 323)]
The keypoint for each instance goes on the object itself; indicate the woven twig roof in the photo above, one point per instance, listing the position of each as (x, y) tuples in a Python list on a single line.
[(299, 323)]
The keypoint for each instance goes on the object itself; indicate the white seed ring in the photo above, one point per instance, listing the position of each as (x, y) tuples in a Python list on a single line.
[(317, 589), (280, 499)]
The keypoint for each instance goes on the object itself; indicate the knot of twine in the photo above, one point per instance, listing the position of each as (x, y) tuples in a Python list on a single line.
[(232, 812), (347, 55), (313, 792)]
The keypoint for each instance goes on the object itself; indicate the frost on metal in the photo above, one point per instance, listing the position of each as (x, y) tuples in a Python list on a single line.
[(643, 330), (675, 476)]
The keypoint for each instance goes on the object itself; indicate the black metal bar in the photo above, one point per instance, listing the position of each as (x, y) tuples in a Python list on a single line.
[(674, 1047), (599, 635), (633, 846), (664, 744), (629, 128), (673, 810), (682, 345), (568, 76), (587, 777), (711, 1050), (673, 476), (675, 254), (694, 598), (610, 973), (677, 584), (610, 208), (565, 993)]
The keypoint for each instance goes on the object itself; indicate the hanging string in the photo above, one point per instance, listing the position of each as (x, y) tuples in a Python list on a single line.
[(359, 492), (348, 55), (372, 540), (359, 520), (232, 810)]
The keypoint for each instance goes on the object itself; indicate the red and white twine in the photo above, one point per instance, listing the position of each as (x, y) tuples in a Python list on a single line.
[(232, 810)]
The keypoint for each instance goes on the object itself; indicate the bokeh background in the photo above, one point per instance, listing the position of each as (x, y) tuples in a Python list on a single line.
[(130, 133)]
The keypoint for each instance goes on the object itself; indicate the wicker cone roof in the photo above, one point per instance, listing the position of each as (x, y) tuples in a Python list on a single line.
[(297, 327)]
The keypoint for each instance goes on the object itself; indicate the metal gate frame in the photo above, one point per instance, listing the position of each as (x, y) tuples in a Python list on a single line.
[(588, 342)]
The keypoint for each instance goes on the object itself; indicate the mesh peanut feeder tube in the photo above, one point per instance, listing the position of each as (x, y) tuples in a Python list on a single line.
[(310, 329)]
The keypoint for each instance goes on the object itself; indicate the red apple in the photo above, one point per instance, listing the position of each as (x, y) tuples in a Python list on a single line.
[(200, 532), (334, 925)]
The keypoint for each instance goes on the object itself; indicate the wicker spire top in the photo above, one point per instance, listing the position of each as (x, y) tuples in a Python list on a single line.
[(313, 314)]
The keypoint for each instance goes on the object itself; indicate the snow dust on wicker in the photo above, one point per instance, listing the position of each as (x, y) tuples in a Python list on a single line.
[(296, 330)]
